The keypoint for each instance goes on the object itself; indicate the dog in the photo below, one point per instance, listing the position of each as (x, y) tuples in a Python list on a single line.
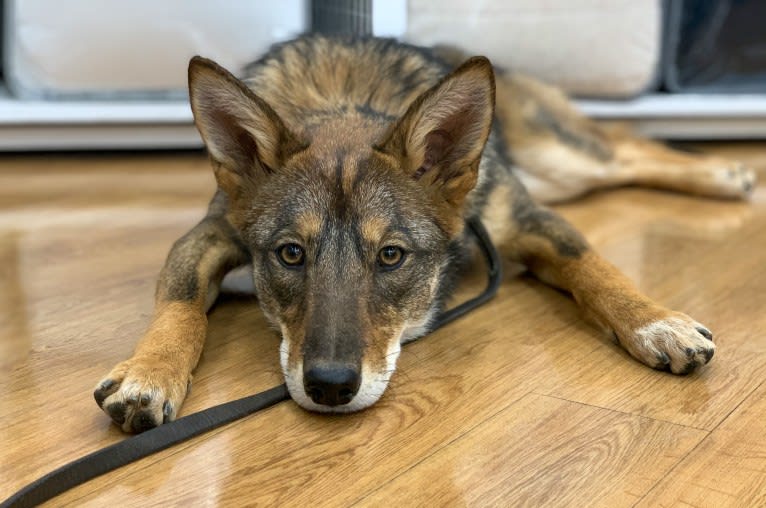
[(346, 170)]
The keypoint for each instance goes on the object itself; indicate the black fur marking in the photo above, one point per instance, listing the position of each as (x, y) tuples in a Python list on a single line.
[(542, 222), (458, 256), (492, 166), (545, 120), (179, 277), (368, 111), (340, 205), (500, 149), (183, 289)]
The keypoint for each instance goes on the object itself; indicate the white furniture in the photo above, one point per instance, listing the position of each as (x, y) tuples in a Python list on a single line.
[(73, 64)]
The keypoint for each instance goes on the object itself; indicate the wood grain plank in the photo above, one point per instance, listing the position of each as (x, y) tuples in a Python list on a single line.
[(83, 237), (543, 451), (290, 457), (727, 469)]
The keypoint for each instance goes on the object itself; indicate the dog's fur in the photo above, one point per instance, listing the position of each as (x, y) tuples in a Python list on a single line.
[(346, 170)]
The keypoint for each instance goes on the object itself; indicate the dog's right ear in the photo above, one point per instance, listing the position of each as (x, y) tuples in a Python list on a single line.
[(241, 131)]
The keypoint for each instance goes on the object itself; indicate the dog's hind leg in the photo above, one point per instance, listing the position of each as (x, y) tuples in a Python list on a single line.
[(561, 154), (148, 389), (558, 255)]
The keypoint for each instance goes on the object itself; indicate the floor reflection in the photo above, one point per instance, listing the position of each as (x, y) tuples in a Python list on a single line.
[(14, 325)]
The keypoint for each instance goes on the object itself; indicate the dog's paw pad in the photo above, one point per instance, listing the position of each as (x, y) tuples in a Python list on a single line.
[(139, 396), (677, 344)]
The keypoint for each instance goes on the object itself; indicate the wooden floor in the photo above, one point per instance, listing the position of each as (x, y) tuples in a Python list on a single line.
[(520, 403)]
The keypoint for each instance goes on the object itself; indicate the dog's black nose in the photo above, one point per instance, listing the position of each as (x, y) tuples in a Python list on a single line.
[(331, 385)]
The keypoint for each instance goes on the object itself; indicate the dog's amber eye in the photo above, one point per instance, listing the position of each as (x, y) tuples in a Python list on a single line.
[(390, 257), (291, 254)]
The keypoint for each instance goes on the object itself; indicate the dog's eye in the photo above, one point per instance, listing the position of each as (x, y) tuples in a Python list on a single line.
[(390, 257), (291, 254)]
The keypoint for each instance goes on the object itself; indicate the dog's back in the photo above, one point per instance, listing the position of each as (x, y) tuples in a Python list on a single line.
[(316, 77)]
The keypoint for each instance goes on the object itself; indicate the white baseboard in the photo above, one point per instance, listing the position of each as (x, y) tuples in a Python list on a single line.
[(687, 116), (48, 125)]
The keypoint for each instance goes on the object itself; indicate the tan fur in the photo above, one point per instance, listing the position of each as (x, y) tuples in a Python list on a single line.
[(309, 224), (373, 229), (495, 217), (612, 302), (160, 369), (598, 157), (335, 83), (154, 381), (327, 137)]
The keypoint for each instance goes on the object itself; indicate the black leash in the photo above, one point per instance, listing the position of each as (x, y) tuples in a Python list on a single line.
[(168, 434)]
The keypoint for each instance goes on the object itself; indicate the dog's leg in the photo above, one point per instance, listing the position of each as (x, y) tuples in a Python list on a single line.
[(557, 254), (651, 164), (148, 389), (562, 154)]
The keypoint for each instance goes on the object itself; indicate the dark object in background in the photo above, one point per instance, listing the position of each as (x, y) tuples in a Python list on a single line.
[(342, 17), (715, 46)]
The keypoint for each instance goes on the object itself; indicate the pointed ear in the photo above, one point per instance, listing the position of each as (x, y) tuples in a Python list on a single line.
[(440, 138), (242, 133)]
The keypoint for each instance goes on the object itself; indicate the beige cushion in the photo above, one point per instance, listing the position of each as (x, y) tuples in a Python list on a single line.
[(605, 48)]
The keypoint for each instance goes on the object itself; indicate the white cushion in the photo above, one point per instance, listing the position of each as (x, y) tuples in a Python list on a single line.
[(136, 47), (587, 47)]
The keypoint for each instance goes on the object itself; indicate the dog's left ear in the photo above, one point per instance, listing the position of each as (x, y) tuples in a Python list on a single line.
[(440, 138)]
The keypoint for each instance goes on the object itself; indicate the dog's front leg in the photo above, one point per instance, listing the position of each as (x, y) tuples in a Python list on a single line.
[(557, 254), (148, 389)]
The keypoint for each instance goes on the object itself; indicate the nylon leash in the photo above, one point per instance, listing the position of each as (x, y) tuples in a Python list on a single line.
[(168, 434)]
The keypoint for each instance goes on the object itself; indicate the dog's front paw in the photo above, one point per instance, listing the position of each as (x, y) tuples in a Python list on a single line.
[(676, 343), (140, 394)]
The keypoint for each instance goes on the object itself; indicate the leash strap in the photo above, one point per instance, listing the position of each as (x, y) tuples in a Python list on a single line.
[(168, 434)]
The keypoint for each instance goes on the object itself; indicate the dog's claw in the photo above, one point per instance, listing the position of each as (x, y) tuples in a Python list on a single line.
[(705, 333), (103, 390)]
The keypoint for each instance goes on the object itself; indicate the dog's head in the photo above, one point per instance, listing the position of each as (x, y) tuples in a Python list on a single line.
[(351, 224)]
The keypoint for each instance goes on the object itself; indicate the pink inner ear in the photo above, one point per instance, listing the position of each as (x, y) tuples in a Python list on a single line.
[(439, 144)]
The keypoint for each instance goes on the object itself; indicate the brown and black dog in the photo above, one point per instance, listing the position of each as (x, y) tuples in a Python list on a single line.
[(346, 170)]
